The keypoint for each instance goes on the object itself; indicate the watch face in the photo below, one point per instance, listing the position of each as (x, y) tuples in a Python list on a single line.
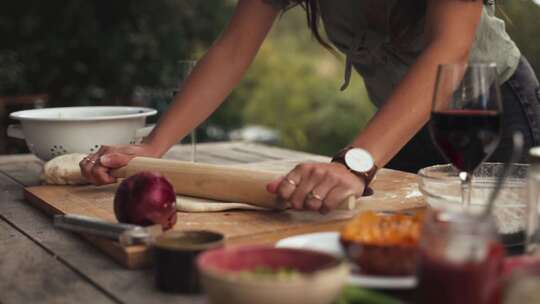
[(359, 160)]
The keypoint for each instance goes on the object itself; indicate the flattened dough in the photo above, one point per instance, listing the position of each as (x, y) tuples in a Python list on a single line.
[(64, 170), (192, 204)]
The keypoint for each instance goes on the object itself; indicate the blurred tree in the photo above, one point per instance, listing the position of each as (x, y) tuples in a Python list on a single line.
[(96, 52)]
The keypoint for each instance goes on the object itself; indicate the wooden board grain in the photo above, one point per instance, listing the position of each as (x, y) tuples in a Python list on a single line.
[(393, 190), (29, 274)]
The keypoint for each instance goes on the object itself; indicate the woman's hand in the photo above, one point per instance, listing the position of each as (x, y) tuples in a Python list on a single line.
[(317, 186), (96, 167)]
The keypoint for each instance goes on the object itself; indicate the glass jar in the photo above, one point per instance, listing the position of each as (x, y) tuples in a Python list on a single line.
[(460, 259), (533, 208)]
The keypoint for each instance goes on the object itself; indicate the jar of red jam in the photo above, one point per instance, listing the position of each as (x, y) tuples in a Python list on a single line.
[(460, 259)]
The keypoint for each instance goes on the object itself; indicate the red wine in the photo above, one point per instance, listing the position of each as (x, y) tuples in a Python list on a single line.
[(466, 137)]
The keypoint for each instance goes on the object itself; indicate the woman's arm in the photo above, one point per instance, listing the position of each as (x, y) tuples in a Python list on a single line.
[(451, 28), (216, 74), (204, 90), (450, 31)]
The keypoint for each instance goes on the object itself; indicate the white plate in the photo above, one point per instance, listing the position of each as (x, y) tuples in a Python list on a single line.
[(328, 242)]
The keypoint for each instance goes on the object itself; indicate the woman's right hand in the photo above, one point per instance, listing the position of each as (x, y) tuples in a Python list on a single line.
[(96, 168)]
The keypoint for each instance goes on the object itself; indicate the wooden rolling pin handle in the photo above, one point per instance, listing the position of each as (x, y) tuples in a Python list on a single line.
[(348, 204), (215, 182), (119, 173)]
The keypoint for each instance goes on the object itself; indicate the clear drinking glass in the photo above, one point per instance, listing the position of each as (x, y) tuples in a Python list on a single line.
[(184, 68), (532, 242), (465, 121)]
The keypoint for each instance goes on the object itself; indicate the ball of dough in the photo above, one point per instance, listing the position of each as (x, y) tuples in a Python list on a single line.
[(64, 170)]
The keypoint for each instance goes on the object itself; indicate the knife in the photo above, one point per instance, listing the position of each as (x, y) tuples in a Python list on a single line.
[(125, 234)]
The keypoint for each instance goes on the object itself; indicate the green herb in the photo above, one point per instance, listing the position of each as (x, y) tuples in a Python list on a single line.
[(354, 295), (264, 271)]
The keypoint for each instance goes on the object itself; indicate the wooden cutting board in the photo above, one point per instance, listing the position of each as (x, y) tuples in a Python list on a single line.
[(393, 190)]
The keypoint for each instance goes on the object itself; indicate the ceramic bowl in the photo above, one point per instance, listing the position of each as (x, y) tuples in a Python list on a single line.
[(227, 276), (383, 243), (52, 132)]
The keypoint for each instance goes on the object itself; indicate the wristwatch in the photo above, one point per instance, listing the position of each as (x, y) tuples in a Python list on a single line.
[(359, 162)]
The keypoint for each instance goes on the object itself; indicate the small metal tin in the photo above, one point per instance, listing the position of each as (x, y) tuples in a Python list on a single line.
[(175, 253)]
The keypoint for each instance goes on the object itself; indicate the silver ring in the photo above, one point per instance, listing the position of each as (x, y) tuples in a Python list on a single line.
[(93, 162), (315, 196), (290, 181)]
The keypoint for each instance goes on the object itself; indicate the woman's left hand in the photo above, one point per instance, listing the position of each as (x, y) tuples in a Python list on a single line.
[(317, 186)]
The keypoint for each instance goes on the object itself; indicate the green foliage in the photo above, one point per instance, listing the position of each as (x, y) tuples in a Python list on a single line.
[(96, 52), (356, 295)]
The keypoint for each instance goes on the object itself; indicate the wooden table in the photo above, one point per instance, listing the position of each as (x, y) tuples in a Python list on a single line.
[(39, 263)]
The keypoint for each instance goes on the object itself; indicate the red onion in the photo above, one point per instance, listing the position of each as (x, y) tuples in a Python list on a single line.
[(146, 198)]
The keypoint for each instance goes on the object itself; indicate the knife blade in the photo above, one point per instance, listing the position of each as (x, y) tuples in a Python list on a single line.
[(125, 234)]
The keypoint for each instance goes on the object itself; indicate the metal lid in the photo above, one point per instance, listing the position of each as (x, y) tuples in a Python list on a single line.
[(189, 240)]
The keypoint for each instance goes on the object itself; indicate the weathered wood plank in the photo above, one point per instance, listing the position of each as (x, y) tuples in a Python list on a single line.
[(18, 158), (216, 153), (25, 172), (127, 285), (272, 152), (29, 274)]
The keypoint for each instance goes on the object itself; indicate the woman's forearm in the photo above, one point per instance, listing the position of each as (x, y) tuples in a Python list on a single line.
[(450, 31), (215, 75), (406, 111)]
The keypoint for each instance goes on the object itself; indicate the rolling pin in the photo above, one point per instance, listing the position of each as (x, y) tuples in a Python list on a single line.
[(217, 182)]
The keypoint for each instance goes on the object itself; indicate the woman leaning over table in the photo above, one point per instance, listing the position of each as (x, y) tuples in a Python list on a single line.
[(395, 45)]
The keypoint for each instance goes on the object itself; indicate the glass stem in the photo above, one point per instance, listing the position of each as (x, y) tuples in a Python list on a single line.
[(466, 189), (193, 145)]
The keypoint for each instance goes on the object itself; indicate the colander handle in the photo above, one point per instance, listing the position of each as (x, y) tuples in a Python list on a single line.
[(142, 132), (15, 131)]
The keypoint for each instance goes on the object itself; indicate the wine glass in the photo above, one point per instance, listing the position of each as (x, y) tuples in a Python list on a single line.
[(466, 117), (184, 68)]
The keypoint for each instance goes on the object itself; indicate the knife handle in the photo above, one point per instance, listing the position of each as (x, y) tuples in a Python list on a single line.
[(91, 225)]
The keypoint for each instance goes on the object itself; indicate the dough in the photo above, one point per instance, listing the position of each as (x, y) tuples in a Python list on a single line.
[(64, 170), (192, 204)]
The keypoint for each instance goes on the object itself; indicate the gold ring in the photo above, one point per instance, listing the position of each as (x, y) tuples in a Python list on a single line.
[(290, 181), (315, 196)]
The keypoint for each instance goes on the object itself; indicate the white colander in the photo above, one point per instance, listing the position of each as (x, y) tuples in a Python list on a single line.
[(55, 131)]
